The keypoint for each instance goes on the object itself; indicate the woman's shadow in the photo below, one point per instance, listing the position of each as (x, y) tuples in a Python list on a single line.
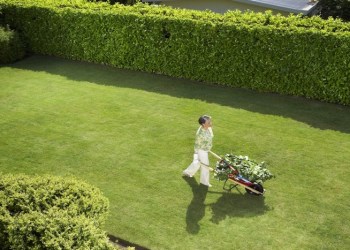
[(230, 204), (196, 209)]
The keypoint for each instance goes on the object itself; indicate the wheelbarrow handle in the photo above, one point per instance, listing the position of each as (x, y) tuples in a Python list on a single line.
[(206, 166), (215, 155)]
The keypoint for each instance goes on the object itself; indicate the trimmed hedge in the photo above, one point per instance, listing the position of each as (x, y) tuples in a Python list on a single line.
[(290, 55), (51, 213), (11, 46)]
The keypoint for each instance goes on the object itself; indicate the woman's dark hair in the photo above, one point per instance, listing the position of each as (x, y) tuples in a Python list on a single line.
[(203, 119)]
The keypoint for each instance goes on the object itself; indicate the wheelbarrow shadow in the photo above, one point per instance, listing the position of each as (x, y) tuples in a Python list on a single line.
[(230, 204), (196, 209), (237, 205)]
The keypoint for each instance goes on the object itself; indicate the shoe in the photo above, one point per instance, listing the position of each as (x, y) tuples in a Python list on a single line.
[(209, 185), (187, 175)]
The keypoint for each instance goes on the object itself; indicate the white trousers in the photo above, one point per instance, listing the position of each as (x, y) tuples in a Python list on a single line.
[(196, 164)]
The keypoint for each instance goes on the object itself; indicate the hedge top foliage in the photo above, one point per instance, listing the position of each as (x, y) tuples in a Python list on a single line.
[(237, 18)]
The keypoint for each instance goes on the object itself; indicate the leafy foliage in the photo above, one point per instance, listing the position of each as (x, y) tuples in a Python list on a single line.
[(51, 213), (11, 46), (128, 2), (249, 169), (55, 229)]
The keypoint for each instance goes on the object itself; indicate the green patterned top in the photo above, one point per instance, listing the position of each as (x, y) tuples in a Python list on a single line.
[(204, 139)]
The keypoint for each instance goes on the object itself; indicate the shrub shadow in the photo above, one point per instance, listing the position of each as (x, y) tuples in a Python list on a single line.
[(317, 114)]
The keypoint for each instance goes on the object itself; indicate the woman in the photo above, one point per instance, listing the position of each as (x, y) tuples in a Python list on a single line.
[(202, 146)]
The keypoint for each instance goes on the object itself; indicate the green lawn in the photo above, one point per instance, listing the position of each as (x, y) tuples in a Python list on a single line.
[(131, 134)]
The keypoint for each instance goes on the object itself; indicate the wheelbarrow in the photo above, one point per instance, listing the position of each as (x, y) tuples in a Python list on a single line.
[(238, 180)]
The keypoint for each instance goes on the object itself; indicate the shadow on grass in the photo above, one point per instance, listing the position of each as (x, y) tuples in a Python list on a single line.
[(228, 205), (314, 113), (196, 209), (237, 205)]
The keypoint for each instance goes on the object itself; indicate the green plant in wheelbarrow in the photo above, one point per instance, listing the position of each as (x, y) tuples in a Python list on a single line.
[(243, 172)]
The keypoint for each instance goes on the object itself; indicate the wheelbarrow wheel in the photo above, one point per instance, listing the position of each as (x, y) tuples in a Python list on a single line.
[(256, 186)]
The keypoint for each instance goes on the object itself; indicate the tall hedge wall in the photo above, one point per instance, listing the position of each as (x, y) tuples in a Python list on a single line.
[(291, 55)]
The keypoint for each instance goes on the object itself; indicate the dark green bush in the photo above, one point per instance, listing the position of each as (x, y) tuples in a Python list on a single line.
[(289, 55), (51, 213), (335, 8), (11, 46)]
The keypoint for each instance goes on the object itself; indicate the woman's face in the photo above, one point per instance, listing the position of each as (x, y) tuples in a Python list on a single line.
[(207, 124)]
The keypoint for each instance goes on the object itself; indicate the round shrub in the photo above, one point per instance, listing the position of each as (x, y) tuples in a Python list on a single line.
[(37, 193), (55, 229), (51, 213), (11, 47)]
